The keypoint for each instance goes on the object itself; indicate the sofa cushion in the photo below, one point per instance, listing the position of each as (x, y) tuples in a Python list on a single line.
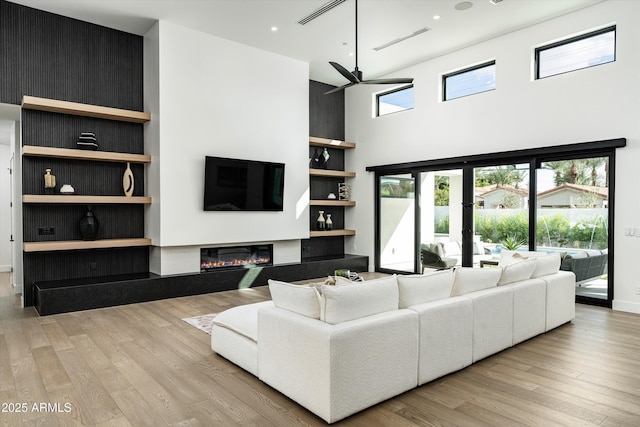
[(420, 288), (300, 299), (469, 279), (242, 319), (343, 303), (517, 271)]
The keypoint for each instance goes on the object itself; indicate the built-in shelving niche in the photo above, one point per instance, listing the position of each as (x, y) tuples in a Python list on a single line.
[(53, 247)]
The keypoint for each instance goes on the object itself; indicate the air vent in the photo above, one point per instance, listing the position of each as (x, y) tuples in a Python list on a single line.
[(495, 2), (321, 10), (401, 39)]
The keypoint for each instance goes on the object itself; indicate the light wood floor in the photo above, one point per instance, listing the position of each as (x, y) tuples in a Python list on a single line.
[(141, 365)]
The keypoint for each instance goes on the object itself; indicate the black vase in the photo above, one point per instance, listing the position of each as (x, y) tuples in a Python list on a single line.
[(89, 225)]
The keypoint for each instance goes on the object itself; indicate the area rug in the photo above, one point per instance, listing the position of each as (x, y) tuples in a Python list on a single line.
[(204, 322)]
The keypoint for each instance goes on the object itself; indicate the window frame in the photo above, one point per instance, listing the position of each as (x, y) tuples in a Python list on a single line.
[(463, 71), (563, 42), (388, 92)]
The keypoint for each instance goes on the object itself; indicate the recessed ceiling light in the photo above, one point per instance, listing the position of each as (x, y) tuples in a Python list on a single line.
[(350, 53), (464, 5), (436, 17), (274, 29)]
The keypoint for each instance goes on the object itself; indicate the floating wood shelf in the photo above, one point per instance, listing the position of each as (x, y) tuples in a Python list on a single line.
[(84, 200), (331, 233), (331, 173), (69, 245), (74, 108), (327, 202), (330, 143), (70, 153)]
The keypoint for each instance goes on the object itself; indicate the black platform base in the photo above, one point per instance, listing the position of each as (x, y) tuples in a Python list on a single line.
[(62, 296)]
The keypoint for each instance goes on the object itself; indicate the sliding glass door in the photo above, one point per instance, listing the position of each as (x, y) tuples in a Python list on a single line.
[(441, 218), (572, 209), (397, 216), (464, 212)]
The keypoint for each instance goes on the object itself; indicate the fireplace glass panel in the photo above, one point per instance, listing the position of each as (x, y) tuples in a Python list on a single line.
[(235, 257)]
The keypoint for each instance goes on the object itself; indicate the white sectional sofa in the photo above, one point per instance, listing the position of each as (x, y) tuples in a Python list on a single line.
[(339, 349)]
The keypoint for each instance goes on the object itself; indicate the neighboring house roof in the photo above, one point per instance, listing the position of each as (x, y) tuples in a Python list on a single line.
[(603, 192), (495, 188)]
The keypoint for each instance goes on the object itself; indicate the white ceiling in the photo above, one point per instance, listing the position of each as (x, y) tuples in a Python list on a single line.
[(329, 37)]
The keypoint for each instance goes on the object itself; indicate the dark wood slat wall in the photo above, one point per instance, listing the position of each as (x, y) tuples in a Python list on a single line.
[(116, 221), (47, 266), (326, 112), (88, 178), (326, 120), (52, 56), (62, 131)]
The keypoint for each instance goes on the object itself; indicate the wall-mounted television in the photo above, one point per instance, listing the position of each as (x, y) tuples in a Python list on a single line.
[(242, 185)]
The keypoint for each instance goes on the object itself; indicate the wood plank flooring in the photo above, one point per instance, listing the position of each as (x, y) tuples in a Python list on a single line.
[(141, 365)]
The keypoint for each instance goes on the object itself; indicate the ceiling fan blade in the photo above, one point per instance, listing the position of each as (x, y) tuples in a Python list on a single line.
[(338, 89), (388, 81), (345, 73)]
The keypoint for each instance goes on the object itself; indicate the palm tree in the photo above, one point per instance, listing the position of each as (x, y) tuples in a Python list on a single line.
[(593, 164), (501, 176), (578, 171)]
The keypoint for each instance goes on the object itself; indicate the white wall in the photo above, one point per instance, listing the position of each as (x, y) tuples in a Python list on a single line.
[(211, 96), (594, 104), (5, 208)]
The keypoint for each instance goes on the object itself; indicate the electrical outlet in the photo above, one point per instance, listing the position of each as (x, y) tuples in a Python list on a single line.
[(46, 231), (637, 231), (628, 231), (637, 290)]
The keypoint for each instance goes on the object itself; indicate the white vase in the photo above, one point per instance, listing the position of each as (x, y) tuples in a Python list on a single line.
[(321, 223), (127, 181)]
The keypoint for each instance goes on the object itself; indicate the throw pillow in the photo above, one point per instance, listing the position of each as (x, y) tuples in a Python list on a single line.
[(517, 271), (420, 288), (300, 299), (469, 279), (344, 303)]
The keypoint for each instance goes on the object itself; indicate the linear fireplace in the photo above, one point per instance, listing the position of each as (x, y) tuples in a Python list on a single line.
[(235, 257)]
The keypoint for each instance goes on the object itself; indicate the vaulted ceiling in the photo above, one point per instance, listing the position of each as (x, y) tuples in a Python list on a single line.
[(330, 36)]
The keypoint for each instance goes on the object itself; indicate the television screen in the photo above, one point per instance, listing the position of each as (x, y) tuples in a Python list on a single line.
[(242, 185)]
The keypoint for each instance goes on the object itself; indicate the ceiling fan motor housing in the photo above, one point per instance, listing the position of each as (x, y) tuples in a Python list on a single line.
[(357, 74)]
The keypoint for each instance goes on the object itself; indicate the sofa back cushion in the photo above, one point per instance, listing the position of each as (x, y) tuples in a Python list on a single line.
[(343, 303), (300, 299), (548, 264), (469, 279), (517, 271), (420, 288)]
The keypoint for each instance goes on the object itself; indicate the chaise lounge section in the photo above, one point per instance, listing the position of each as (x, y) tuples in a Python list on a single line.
[(337, 350)]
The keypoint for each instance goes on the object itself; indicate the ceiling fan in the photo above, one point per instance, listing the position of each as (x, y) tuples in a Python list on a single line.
[(355, 77)]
